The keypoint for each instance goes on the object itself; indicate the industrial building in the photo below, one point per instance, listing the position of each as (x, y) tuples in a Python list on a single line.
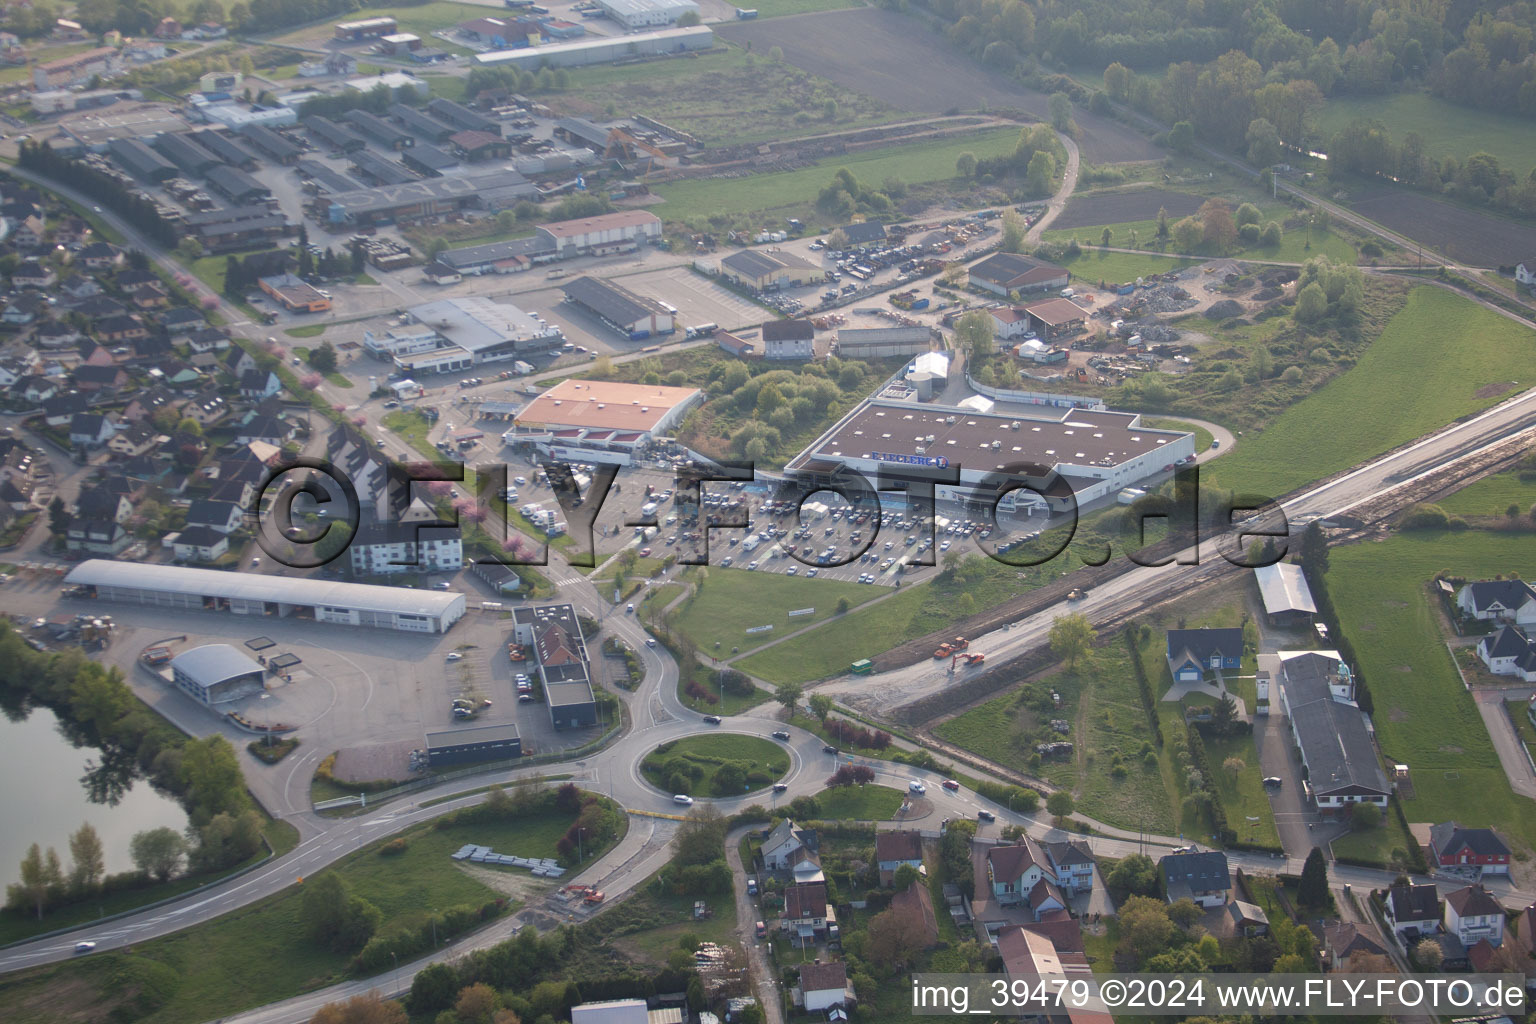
[(140, 161), (1070, 456), (333, 136), (455, 334), (634, 316), (326, 179), (216, 673), (462, 118), (497, 257), (238, 187), (884, 342), (472, 745), (366, 122), (1317, 691), (553, 633), (243, 118), (431, 197), (635, 14), (600, 421), (381, 170), (426, 159), (621, 231), (297, 295), (194, 161), (239, 227), (366, 28), (349, 604), (276, 145), (415, 121), (1056, 318), (394, 81), (226, 148), (601, 51), (1006, 272), (765, 270), (78, 69)]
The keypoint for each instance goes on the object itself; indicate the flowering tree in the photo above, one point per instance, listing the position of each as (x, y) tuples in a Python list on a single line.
[(311, 381)]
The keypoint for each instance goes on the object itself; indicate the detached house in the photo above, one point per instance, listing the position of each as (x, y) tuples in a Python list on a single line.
[(121, 327), (1479, 849), (199, 544), (90, 429), (206, 408), (1193, 652), (1413, 911), (893, 849), (806, 915), (59, 410), (104, 502), (35, 389), (207, 339), (77, 287), (1343, 940), (259, 384), (1473, 915), (238, 362), (33, 274), (780, 845), (1508, 651), (1511, 601), (1021, 874), (222, 516), (1202, 877), (96, 537), (94, 378), (1071, 863), (824, 986), (134, 439), (56, 334), (100, 256)]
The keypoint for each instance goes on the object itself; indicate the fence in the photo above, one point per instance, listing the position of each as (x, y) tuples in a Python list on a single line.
[(1033, 397)]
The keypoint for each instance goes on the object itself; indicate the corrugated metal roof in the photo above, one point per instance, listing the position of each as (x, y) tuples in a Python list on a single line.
[(214, 663), (1283, 587)]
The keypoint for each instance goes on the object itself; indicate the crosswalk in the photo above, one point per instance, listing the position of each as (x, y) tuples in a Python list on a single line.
[(570, 580)]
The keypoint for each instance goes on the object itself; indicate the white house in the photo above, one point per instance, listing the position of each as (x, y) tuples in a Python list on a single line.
[(1009, 322), (90, 429), (1201, 876), (1472, 914), (780, 845), (1071, 864), (1509, 652), (823, 986), (382, 549), (222, 516), (199, 544), (1525, 273), (1498, 601)]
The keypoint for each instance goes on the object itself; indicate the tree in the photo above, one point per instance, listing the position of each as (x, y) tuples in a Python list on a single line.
[(1188, 233), (1311, 304), (88, 861), (1117, 82), (688, 19), (1181, 137), (476, 1003), (1217, 226), (323, 357), (158, 851), (1144, 926), (700, 838), (1060, 803), (1234, 765), (974, 333), (1365, 815), (1072, 637), (59, 517), (1014, 230), (1041, 172), (39, 874), (829, 109), (1061, 111), (1270, 236), (895, 935), (1136, 873), (1264, 145), (1427, 955), (433, 988), (365, 1009), (729, 779), (905, 877), (965, 164), (1313, 889), (821, 706), (789, 695), (838, 239)]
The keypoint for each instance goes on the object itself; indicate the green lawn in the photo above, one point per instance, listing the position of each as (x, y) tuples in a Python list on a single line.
[(726, 703), (779, 8), (796, 190), (411, 427), (1203, 437), (1516, 709), (654, 925), (307, 331), (1297, 244), (859, 803), (1387, 397), (1096, 265), (1492, 496), (708, 753), (1446, 128), (1386, 845), (1423, 716), (732, 601), (259, 954)]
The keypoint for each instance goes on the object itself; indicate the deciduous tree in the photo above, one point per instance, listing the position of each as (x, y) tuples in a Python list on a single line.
[(158, 851), (1072, 637), (87, 859)]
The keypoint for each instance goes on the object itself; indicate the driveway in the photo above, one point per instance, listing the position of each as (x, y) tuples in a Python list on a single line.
[(747, 916), (1512, 756)]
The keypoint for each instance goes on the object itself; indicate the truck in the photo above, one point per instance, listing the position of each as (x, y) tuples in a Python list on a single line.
[(746, 13)]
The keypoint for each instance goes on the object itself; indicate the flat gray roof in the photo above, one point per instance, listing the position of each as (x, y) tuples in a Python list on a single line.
[(611, 301), (212, 664), (475, 734), (177, 579)]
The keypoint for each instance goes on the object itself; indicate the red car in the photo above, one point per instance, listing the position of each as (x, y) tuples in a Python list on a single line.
[(951, 785)]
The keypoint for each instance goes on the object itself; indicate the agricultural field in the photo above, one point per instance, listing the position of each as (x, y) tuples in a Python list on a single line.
[(899, 61), (701, 760), (1386, 398), (793, 193), (1124, 207), (1423, 716), (732, 601), (1448, 130), (1475, 237), (1492, 496), (723, 98), (782, 8)]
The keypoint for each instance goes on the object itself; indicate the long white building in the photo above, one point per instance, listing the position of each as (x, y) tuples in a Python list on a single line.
[(602, 50), (456, 334), (633, 14)]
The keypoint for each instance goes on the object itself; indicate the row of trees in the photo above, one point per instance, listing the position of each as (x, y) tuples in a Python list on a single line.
[(140, 212), (1366, 146)]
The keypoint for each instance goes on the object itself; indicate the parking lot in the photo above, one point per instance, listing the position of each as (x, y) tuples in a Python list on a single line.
[(698, 299)]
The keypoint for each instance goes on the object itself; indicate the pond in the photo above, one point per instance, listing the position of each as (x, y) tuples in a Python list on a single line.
[(43, 798)]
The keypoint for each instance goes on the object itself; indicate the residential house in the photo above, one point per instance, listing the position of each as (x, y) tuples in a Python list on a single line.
[(268, 429), (199, 544), (1343, 940), (33, 274), (789, 339), (103, 502), (56, 334), (1337, 749), (134, 439), (1472, 914), (824, 986), (1020, 874), (89, 377), (146, 403), (121, 327), (151, 295), (1509, 600), (207, 408), (90, 429), (1031, 959), (1413, 911), (806, 916), (1009, 322), (24, 309), (913, 907), (59, 410), (1480, 849), (383, 548), (1525, 273), (180, 320), (208, 339), (781, 843), (1509, 651), (1199, 876), (1247, 919), (99, 307), (223, 516), (34, 389), (893, 849), (1070, 862), (96, 537), (258, 384), (77, 287), (28, 233), (100, 256), (1193, 652), (805, 866), (238, 362)]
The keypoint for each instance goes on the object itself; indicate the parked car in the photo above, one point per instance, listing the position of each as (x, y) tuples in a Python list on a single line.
[(454, 656), (1274, 781)]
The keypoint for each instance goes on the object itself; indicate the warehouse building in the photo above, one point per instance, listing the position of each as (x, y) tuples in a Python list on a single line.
[(415, 121), (140, 161), (1070, 456), (366, 122), (238, 187), (242, 118), (1056, 318), (765, 270), (348, 604), (226, 149), (366, 28), (599, 421), (431, 197), (553, 633), (271, 142), (381, 170), (462, 118), (622, 231), (333, 136), (884, 342), (473, 745), (497, 257), (634, 316), (456, 334), (1006, 272), (475, 146), (636, 14), (601, 51), (326, 179), (297, 295), (427, 160), (394, 81), (215, 673), (240, 227), (194, 161)]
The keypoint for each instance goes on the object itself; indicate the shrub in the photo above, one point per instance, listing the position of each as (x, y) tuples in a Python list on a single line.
[(394, 847)]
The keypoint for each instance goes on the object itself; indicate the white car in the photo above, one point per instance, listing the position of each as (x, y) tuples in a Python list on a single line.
[(455, 656), (684, 799), (85, 947), (812, 571), (916, 787)]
